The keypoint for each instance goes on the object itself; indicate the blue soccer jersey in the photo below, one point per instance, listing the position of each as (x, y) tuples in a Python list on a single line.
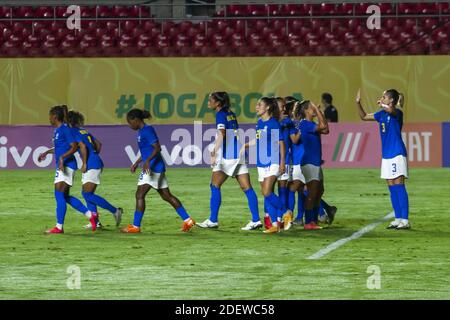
[(227, 120), (391, 133), (93, 159), (267, 139), (298, 148), (62, 138), (287, 128), (146, 138), (311, 142)]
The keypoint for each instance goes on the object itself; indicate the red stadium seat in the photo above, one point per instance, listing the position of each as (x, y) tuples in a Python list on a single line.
[(236, 10), (23, 12), (327, 9), (344, 9), (407, 8), (256, 10)]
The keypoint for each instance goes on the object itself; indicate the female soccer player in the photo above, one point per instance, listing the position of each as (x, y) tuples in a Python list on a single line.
[(298, 182), (270, 157), (153, 172), (226, 162), (312, 159), (289, 134), (64, 148), (394, 165), (92, 168)]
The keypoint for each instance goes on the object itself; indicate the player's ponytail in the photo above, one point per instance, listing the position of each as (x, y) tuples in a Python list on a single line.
[(222, 98), (138, 114), (401, 100), (65, 112)]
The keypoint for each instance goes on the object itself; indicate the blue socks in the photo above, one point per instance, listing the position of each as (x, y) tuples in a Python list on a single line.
[(309, 216), (182, 213), (395, 202), (61, 207), (214, 204), (94, 200), (400, 201), (276, 204), (321, 209), (300, 206), (76, 204), (137, 218), (403, 201), (316, 214), (252, 204), (273, 212), (283, 194), (291, 200)]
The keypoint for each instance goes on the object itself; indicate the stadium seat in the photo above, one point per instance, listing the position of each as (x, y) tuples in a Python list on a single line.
[(243, 34)]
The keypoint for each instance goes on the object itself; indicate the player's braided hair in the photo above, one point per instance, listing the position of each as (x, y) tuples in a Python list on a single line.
[(138, 114)]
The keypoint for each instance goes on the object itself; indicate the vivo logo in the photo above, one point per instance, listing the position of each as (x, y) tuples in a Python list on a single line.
[(20, 159)]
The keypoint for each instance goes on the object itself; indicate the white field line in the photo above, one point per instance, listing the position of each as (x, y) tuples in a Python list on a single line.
[(335, 245)]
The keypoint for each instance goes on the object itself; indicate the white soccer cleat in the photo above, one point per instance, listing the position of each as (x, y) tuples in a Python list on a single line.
[(394, 224), (208, 224), (403, 226), (323, 218), (118, 216), (252, 226), (89, 226)]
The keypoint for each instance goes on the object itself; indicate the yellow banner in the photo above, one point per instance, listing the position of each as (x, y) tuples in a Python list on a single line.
[(175, 90)]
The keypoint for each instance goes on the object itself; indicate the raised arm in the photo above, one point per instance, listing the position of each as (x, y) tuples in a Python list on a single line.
[(362, 114), (322, 127)]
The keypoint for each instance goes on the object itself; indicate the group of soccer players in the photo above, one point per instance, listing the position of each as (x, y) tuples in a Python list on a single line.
[(288, 154)]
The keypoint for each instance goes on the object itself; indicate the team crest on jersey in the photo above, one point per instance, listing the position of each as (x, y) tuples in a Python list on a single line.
[(139, 139)]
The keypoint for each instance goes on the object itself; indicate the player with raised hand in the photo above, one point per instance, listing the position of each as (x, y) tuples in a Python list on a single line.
[(394, 164), (153, 172), (226, 162), (92, 168), (270, 157), (312, 159), (64, 149)]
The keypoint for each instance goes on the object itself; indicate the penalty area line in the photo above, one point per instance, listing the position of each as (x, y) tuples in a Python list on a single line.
[(335, 245)]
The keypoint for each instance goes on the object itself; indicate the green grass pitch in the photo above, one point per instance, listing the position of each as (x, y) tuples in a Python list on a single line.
[(164, 263)]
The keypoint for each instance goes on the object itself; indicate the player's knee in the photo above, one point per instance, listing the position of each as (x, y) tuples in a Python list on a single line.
[(266, 192), (139, 195), (166, 196), (87, 195)]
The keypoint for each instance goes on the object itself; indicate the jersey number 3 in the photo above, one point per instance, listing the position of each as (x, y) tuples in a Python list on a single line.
[(394, 168)]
